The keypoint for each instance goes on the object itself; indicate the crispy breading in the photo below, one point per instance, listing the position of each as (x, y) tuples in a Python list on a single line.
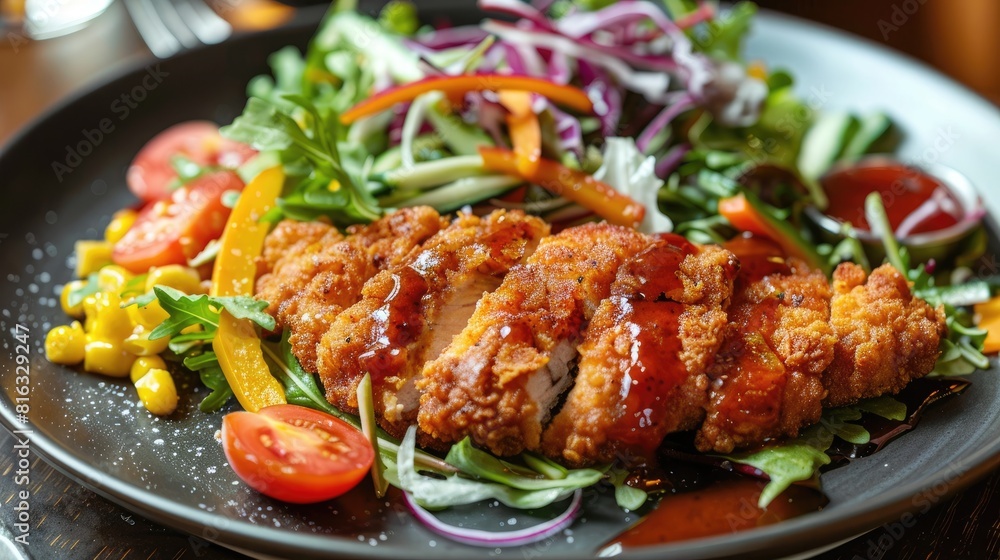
[(643, 358), (309, 287), (410, 312), (499, 378), (766, 378), (886, 337), (283, 267)]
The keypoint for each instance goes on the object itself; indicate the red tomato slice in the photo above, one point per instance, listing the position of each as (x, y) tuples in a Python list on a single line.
[(151, 175), (295, 454), (173, 230)]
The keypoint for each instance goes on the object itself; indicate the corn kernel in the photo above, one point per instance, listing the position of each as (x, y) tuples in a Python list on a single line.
[(107, 357), (157, 391), (143, 364), (65, 344), (91, 256), (148, 316), (139, 343), (71, 310), (112, 278), (111, 321), (120, 223), (90, 312), (175, 276)]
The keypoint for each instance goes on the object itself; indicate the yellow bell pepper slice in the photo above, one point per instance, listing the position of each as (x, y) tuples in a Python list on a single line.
[(988, 314), (236, 344)]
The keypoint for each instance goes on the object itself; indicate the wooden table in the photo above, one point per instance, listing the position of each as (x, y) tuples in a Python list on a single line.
[(76, 523)]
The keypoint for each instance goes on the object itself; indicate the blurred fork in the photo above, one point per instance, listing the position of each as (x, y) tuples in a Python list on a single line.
[(169, 26)]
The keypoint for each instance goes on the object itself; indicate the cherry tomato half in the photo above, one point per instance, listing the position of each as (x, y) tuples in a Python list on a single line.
[(151, 175), (295, 454), (173, 230)]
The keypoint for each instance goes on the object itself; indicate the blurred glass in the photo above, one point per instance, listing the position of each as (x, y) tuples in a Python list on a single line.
[(43, 19)]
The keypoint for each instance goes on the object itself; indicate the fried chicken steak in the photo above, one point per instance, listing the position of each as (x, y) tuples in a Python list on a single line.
[(589, 345)]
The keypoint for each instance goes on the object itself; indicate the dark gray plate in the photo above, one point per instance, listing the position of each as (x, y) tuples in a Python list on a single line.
[(171, 470)]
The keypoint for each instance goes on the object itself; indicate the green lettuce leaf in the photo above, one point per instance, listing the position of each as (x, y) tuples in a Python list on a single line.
[(454, 489), (203, 310)]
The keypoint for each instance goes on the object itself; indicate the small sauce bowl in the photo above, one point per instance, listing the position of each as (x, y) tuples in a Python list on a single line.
[(934, 209)]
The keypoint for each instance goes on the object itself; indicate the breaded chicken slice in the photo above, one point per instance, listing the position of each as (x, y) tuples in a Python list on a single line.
[(499, 379), (287, 252), (766, 379), (886, 336), (410, 312), (313, 282), (643, 357), (289, 237)]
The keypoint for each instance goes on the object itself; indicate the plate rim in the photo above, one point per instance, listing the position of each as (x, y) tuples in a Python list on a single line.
[(846, 522)]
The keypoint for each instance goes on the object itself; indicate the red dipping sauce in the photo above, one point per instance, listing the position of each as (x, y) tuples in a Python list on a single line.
[(914, 201)]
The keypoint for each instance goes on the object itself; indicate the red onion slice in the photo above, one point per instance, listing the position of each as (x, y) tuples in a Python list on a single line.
[(479, 537)]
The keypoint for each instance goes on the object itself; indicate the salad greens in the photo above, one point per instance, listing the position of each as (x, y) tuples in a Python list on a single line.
[(800, 460), (509, 484), (326, 187)]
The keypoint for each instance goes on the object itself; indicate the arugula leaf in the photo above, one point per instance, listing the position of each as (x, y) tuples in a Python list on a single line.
[(723, 36), (483, 465), (245, 307), (90, 288), (207, 366), (268, 127), (200, 309), (288, 68), (452, 490), (627, 497), (134, 287), (543, 465), (214, 379), (800, 459), (886, 407), (794, 461), (265, 127), (201, 361), (400, 17), (300, 385), (184, 343), (186, 168), (184, 311)]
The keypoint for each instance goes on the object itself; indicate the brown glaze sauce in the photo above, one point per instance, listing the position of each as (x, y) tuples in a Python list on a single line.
[(759, 257), (646, 307), (755, 388), (397, 323), (757, 379), (727, 505)]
